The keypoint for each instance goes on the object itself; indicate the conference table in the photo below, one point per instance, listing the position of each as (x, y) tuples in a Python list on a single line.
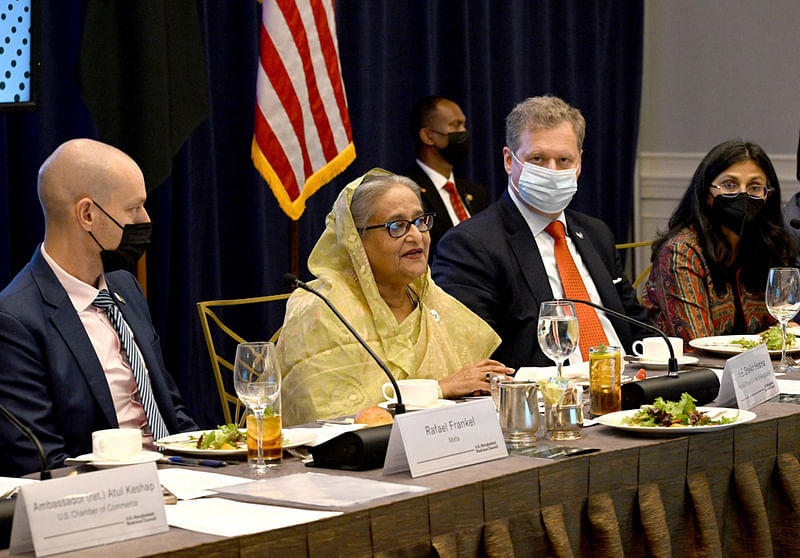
[(731, 492)]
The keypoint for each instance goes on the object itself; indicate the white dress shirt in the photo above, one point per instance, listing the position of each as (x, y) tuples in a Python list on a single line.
[(438, 182), (546, 244)]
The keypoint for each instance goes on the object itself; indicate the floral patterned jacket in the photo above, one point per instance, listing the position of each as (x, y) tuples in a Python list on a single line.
[(680, 300)]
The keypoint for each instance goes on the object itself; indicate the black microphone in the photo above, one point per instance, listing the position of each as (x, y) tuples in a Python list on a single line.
[(45, 473), (702, 384), (358, 450), (672, 363), (295, 282)]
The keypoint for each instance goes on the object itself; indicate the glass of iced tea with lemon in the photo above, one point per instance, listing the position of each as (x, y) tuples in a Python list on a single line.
[(271, 441), (605, 379), (257, 379)]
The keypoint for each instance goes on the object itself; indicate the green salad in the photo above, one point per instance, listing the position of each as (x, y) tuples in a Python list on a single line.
[(225, 437), (773, 337), (674, 414)]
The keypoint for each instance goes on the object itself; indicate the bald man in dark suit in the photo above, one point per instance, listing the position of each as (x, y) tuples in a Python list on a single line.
[(66, 371)]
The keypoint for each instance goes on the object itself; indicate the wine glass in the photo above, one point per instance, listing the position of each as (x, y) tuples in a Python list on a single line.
[(558, 330), (783, 302), (257, 380)]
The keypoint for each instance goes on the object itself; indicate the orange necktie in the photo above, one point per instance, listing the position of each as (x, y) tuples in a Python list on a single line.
[(455, 199), (591, 331)]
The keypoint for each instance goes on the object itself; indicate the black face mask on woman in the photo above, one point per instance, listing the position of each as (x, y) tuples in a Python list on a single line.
[(736, 211), (135, 238)]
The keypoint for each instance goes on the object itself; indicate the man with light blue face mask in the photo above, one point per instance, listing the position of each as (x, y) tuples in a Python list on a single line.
[(528, 248)]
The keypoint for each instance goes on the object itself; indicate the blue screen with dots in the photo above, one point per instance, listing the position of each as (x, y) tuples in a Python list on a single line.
[(16, 46)]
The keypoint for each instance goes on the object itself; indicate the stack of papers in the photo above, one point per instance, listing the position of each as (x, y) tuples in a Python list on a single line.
[(187, 484), (317, 490), (226, 518)]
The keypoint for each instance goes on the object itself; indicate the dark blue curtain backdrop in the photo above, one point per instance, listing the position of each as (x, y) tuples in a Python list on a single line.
[(219, 232)]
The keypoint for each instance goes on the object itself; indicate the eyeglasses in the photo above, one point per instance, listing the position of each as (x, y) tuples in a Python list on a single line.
[(399, 227), (730, 189)]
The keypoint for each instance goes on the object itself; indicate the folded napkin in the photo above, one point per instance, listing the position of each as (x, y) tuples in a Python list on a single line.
[(542, 373)]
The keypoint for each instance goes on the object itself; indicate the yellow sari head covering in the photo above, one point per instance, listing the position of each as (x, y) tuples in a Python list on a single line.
[(326, 372)]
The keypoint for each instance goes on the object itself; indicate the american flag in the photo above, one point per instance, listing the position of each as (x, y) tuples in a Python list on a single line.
[(302, 135)]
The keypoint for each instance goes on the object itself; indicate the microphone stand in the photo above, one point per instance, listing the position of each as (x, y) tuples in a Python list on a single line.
[(399, 407), (702, 384), (672, 363), (45, 473)]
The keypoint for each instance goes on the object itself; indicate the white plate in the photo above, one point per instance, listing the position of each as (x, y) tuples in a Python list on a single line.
[(614, 420), (144, 457), (439, 403), (183, 442), (722, 344), (293, 437), (685, 360)]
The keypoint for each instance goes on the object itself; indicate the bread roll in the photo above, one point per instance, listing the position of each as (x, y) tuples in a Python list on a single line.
[(373, 416)]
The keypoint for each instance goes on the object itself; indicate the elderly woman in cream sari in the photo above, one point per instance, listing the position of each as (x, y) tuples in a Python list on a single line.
[(371, 262)]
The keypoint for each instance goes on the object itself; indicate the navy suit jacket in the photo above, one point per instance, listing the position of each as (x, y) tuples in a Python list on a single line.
[(51, 377), (491, 264), (472, 194)]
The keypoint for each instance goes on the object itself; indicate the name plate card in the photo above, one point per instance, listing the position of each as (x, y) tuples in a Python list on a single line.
[(71, 513), (434, 440), (748, 379)]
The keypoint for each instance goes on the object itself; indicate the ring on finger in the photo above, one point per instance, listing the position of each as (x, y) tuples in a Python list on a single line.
[(488, 376)]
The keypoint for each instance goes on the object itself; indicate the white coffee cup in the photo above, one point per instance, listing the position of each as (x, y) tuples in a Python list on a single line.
[(654, 348), (116, 444), (417, 392)]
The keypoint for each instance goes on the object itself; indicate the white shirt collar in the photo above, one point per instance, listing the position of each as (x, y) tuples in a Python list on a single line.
[(437, 179)]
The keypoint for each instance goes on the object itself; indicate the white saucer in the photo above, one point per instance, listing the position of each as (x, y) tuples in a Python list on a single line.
[(685, 360), (144, 457), (439, 403)]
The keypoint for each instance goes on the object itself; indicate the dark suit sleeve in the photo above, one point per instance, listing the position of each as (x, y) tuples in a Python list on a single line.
[(464, 268), (26, 395)]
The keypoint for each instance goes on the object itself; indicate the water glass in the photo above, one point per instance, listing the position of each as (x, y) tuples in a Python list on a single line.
[(564, 419), (557, 331), (257, 379), (783, 302)]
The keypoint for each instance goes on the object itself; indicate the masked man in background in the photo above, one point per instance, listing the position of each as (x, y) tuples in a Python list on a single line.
[(78, 347), (528, 248), (441, 139)]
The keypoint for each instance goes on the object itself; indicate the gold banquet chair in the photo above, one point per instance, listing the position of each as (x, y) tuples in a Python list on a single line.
[(222, 340), (640, 278)]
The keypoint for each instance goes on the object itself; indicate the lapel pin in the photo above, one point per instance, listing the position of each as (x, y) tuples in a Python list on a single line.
[(435, 315), (579, 234), (469, 197), (118, 297)]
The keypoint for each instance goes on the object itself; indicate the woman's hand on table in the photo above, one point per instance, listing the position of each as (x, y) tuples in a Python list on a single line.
[(473, 379)]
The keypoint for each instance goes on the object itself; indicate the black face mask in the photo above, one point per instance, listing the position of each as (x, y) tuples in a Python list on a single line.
[(134, 241), (457, 147), (737, 211)]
